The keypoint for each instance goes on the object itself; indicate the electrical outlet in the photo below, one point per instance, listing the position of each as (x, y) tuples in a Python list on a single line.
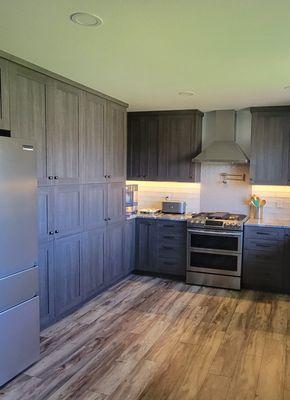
[(279, 204)]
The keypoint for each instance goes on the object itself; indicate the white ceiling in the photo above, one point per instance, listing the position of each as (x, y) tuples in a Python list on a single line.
[(231, 53)]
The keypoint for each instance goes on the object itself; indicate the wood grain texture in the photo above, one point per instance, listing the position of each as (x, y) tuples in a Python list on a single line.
[(151, 338)]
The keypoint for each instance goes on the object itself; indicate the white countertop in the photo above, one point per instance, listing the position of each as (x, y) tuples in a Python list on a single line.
[(269, 222)]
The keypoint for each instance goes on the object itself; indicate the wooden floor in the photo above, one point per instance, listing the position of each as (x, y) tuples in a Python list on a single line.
[(150, 338)]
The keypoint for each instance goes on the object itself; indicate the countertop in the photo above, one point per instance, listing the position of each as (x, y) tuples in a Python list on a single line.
[(162, 216), (269, 222)]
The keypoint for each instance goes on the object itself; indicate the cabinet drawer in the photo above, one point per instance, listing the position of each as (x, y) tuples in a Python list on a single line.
[(171, 266), (264, 276), (269, 246), (167, 228), (171, 251), (264, 233), (257, 256)]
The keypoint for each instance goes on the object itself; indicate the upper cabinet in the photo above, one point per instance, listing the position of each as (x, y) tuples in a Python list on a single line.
[(270, 146), (161, 145), (116, 123), (65, 119), (28, 96), (4, 96)]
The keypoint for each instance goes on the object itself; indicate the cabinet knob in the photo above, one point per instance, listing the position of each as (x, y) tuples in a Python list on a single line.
[(51, 232), (109, 176), (105, 176), (50, 177), (56, 177), (56, 231), (105, 219), (109, 219)]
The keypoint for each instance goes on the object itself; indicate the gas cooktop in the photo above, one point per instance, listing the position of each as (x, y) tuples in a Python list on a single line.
[(217, 220)]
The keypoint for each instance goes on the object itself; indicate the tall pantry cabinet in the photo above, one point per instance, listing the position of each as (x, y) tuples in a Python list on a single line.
[(80, 139)]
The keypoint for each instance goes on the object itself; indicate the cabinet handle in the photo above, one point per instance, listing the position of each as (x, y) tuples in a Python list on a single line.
[(105, 219), (56, 177), (263, 233), (168, 263), (109, 176), (51, 232), (56, 231), (167, 247), (168, 226), (262, 245), (109, 219), (105, 176), (168, 237), (50, 178)]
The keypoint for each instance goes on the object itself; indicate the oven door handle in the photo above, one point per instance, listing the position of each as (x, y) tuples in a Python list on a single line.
[(216, 233)]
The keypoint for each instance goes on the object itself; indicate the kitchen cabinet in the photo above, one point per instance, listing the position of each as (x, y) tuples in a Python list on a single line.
[(146, 235), (68, 210), (94, 256), (269, 163), (46, 283), (95, 205), (45, 213), (4, 95), (129, 246), (65, 124), (161, 145), (28, 96), (116, 143), (263, 258), (142, 148), (67, 273), (116, 202), (115, 252), (95, 139), (286, 261)]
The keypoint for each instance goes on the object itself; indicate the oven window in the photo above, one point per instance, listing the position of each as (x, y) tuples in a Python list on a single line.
[(230, 243), (213, 261)]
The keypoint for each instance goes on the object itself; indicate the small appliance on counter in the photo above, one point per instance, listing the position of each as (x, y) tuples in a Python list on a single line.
[(174, 207), (131, 199)]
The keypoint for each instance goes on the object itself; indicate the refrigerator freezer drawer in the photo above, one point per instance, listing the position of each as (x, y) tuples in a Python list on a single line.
[(19, 339), (17, 288)]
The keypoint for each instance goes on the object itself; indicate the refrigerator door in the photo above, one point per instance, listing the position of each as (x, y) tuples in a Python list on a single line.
[(18, 221), (19, 338)]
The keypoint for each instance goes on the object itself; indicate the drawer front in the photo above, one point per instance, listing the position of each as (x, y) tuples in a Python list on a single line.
[(176, 228), (257, 256), (264, 233), (171, 266), (169, 251), (264, 276), (269, 246)]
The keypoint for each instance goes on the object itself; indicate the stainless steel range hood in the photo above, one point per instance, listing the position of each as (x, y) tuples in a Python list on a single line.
[(224, 148)]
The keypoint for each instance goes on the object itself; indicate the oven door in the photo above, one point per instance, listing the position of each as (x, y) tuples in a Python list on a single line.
[(215, 252), (215, 240)]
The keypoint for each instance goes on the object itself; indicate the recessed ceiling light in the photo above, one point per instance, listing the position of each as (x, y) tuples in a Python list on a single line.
[(86, 19), (186, 93)]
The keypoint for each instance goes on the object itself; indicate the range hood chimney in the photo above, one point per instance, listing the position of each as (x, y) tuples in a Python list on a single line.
[(224, 148)]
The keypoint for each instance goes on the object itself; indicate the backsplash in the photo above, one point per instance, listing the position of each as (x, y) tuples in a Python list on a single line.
[(278, 200), (151, 194)]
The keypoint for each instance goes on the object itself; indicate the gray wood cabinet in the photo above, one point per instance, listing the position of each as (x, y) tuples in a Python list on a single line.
[(45, 213), (116, 202), (146, 245), (94, 139), (116, 142), (270, 146), (129, 246), (95, 205), (68, 210), (67, 273), (28, 96), (65, 124), (93, 266), (46, 283), (114, 269), (4, 96)]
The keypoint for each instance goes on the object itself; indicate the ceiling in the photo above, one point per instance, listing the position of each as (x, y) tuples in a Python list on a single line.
[(231, 53)]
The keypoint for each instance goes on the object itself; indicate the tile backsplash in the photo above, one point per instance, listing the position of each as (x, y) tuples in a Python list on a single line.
[(278, 200)]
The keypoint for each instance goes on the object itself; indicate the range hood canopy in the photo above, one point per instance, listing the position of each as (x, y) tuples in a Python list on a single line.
[(224, 148)]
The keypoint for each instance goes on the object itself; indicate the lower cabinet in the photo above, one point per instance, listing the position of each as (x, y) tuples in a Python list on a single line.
[(115, 252), (67, 273), (129, 246), (161, 246), (46, 283), (286, 261)]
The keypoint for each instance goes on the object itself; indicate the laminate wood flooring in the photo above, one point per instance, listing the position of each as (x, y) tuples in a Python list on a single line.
[(155, 339)]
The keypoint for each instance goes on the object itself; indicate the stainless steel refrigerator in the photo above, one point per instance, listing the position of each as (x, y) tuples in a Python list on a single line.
[(19, 301)]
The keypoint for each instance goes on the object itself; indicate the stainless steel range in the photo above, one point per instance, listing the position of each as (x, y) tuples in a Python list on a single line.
[(214, 249)]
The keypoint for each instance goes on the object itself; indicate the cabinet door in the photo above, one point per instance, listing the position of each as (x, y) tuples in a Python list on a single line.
[(65, 118), (94, 247), (146, 245), (116, 202), (4, 95), (67, 273), (129, 246), (46, 283), (286, 262), (94, 148), (68, 210), (142, 147), (180, 141), (116, 142), (270, 148), (28, 92), (95, 205), (45, 213), (115, 257)]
